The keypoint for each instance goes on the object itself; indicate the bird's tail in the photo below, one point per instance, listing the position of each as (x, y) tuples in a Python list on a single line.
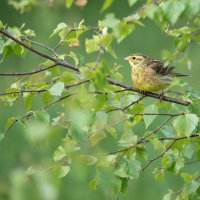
[(180, 75)]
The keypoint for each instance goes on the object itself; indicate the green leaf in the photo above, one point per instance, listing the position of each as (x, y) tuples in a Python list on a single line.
[(132, 2), (59, 154), (185, 124), (2, 136), (28, 99), (97, 137), (88, 159), (134, 166), (30, 171), (173, 161), (10, 122), (173, 9), (168, 196), (57, 89), (122, 30), (148, 119), (59, 28), (94, 183), (193, 186), (194, 107), (69, 3), (1, 45), (128, 139), (1, 24), (189, 151), (106, 5), (193, 7), (47, 98), (62, 171), (67, 77), (122, 172), (42, 116), (91, 45), (150, 10), (110, 21)]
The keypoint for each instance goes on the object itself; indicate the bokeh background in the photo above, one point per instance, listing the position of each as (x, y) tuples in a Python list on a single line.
[(17, 152)]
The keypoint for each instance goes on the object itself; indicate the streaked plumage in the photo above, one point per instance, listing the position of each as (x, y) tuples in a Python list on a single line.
[(149, 74)]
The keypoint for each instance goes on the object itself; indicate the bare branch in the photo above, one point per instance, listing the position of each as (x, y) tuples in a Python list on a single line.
[(38, 44), (28, 73)]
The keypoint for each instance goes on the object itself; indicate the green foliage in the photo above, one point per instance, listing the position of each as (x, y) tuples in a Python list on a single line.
[(81, 126)]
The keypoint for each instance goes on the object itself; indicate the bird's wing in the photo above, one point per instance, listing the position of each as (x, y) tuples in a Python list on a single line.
[(159, 67)]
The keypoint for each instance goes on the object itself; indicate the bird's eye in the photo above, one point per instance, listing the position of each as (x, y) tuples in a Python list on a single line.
[(133, 57)]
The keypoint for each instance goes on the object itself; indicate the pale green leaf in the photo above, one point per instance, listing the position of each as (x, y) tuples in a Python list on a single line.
[(106, 5), (59, 154), (10, 122), (62, 171), (97, 137), (168, 196), (132, 2), (57, 89), (195, 106), (59, 28), (67, 77), (69, 3), (173, 9), (1, 24), (42, 116), (91, 45), (148, 119), (88, 159), (128, 139), (122, 172), (110, 20), (30, 171), (185, 124)]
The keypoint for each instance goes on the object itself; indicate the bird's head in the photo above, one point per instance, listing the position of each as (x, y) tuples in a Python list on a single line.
[(135, 59)]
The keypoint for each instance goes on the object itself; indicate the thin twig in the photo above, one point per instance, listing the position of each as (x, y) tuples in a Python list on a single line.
[(142, 139), (28, 73), (157, 157), (126, 107), (38, 44), (30, 113), (57, 62)]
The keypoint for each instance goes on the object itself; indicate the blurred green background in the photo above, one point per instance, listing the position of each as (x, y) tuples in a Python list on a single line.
[(17, 152)]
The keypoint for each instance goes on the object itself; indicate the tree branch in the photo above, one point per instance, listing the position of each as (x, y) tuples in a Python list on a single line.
[(28, 73), (30, 113), (57, 62), (157, 157), (110, 81)]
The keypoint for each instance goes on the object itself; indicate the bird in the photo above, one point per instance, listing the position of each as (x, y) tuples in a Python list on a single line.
[(151, 75)]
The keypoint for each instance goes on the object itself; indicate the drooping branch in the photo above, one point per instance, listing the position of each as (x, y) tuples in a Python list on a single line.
[(56, 61), (110, 81), (30, 113)]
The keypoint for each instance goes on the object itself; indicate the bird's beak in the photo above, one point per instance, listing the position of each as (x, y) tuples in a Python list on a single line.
[(126, 58)]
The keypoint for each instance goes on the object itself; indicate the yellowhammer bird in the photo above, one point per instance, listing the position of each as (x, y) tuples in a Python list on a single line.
[(150, 75)]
